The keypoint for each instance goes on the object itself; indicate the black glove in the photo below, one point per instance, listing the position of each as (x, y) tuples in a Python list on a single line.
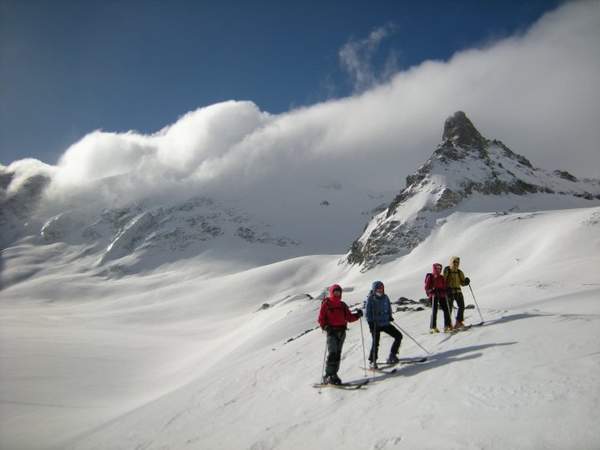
[(391, 318), (324, 327), (467, 281), (359, 313)]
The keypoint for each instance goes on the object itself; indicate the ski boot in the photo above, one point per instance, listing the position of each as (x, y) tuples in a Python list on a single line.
[(393, 359), (448, 329), (373, 365), (334, 379), (434, 331)]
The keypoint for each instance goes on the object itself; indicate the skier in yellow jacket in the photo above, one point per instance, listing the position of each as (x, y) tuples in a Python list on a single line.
[(455, 278)]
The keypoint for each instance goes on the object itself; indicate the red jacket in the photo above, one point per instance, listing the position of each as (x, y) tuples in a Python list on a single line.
[(435, 285), (334, 312)]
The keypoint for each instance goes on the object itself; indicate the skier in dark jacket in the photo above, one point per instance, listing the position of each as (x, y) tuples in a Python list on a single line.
[(379, 316), (334, 315), (455, 278), (436, 289)]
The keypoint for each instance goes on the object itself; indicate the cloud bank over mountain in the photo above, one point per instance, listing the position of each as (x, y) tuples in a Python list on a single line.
[(536, 91)]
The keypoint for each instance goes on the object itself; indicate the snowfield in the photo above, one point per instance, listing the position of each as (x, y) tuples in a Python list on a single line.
[(188, 355)]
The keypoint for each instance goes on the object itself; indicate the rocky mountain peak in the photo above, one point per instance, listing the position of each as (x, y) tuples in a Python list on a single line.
[(466, 172), (460, 132)]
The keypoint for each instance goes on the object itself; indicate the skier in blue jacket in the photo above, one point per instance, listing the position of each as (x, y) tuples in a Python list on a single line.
[(379, 317)]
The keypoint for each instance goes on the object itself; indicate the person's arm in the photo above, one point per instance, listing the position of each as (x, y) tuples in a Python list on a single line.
[(464, 281), (445, 289), (350, 316), (389, 308), (369, 309)]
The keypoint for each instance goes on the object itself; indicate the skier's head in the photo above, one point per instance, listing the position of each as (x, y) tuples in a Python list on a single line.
[(437, 268), (454, 262), (378, 288), (335, 291)]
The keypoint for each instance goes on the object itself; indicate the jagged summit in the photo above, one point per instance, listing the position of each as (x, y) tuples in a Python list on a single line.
[(466, 172), (459, 131)]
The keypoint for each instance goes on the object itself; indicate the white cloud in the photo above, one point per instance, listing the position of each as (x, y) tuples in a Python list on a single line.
[(538, 92), (356, 59), (22, 170)]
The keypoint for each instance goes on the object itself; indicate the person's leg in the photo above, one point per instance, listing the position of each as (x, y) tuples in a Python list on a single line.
[(434, 310), (375, 333), (450, 298), (447, 319), (460, 314), (333, 353), (395, 333), (341, 339)]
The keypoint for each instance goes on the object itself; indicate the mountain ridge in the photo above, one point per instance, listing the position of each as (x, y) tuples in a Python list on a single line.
[(464, 166)]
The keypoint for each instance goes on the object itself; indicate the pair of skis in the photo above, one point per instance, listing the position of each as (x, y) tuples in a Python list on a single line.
[(463, 328), (454, 331), (384, 368)]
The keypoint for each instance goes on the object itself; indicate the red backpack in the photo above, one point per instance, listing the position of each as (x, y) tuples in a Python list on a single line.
[(429, 284)]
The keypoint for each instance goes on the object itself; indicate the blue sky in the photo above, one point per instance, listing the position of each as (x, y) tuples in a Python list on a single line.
[(70, 67)]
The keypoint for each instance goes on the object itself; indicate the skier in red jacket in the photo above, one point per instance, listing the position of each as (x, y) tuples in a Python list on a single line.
[(334, 315), (436, 289)]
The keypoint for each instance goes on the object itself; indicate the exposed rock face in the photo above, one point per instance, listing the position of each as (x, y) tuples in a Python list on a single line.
[(18, 206), (466, 172), (565, 175), (459, 131)]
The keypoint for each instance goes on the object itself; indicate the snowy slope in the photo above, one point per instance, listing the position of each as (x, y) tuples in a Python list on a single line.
[(188, 357), (467, 172)]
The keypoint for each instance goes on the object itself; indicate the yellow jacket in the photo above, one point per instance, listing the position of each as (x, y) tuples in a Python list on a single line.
[(454, 278)]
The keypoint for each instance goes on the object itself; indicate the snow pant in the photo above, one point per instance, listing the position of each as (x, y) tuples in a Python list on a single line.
[(335, 342), (440, 302), (455, 295), (376, 333)]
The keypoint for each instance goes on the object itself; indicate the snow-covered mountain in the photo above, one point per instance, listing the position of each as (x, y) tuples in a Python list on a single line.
[(135, 236), (467, 172)]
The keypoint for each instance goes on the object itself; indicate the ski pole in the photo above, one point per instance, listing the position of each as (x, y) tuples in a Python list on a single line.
[(414, 340), (476, 304), (324, 357), (362, 337)]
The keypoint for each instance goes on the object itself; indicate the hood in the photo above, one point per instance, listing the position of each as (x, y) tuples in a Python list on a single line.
[(376, 285), (332, 288)]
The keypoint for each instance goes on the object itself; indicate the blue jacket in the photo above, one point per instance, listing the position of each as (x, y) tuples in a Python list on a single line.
[(378, 309)]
